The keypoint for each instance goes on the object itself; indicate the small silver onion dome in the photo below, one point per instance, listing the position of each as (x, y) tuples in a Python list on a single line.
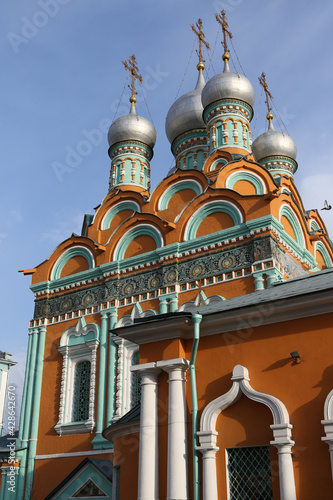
[(186, 113), (227, 85), (273, 143), (132, 127)]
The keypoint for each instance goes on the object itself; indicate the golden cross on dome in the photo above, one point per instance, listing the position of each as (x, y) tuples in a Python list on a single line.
[(197, 28), (132, 67), (263, 83), (222, 20)]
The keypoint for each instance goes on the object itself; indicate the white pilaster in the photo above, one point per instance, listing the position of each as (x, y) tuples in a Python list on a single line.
[(148, 450), (208, 448), (284, 443), (177, 480)]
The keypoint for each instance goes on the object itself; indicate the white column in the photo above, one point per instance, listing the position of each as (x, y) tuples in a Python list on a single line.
[(148, 450), (208, 449), (328, 426), (177, 481), (283, 443)]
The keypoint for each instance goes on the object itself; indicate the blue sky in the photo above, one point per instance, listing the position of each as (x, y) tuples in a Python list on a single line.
[(62, 79)]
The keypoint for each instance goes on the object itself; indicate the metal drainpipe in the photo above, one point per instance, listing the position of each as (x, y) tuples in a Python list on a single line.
[(196, 484)]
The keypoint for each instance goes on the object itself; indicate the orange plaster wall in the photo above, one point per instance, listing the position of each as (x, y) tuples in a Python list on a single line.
[(320, 260), (126, 455), (49, 473), (178, 202), (303, 388), (244, 187), (213, 223), (166, 349), (287, 227), (238, 426), (141, 244), (75, 265)]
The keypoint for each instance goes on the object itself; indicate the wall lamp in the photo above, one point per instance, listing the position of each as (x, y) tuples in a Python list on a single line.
[(295, 356)]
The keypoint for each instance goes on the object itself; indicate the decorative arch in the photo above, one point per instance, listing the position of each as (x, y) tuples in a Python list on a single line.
[(217, 164), (289, 214), (320, 247), (131, 234), (314, 226), (281, 431), (69, 254), (212, 207), (137, 312), (250, 177), (119, 207), (78, 346), (201, 300), (164, 200), (80, 333), (328, 424)]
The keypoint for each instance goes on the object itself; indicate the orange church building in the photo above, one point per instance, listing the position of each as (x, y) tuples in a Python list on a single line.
[(181, 345)]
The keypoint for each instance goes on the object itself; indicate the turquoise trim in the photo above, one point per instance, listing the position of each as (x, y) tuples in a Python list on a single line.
[(112, 370), (292, 219), (176, 188), (218, 164), (24, 396), (119, 207), (133, 233), (87, 473), (188, 136), (99, 440), (279, 169), (227, 102), (320, 247), (180, 248), (314, 225), (245, 176), (35, 413), (77, 251), (197, 318), (208, 209)]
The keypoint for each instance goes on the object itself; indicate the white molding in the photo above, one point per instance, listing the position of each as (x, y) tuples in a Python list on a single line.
[(115, 206), (86, 351), (228, 179), (328, 425), (281, 428)]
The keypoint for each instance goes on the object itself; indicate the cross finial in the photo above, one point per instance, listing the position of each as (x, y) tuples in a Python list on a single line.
[(222, 20), (197, 28), (132, 67), (263, 83)]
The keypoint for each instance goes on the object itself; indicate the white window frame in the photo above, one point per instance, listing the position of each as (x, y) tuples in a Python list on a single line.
[(73, 354), (126, 351)]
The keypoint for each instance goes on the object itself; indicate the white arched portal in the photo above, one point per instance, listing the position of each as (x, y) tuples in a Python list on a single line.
[(328, 425), (281, 431)]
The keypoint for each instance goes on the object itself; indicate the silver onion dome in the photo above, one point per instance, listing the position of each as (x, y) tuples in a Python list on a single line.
[(227, 85), (273, 143), (132, 127), (186, 113)]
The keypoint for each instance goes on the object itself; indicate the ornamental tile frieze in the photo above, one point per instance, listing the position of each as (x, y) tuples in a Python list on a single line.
[(196, 267)]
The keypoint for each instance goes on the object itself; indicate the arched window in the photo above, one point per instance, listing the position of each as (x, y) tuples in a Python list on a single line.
[(135, 382), (81, 391)]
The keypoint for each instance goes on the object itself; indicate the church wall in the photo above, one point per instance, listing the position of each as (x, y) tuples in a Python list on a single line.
[(126, 456)]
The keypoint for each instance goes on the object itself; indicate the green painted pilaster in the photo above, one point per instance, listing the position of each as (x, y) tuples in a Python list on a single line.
[(112, 370), (25, 424), (99, 442), (163, 305), (24, 397), (35, 412), (259, 282)]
